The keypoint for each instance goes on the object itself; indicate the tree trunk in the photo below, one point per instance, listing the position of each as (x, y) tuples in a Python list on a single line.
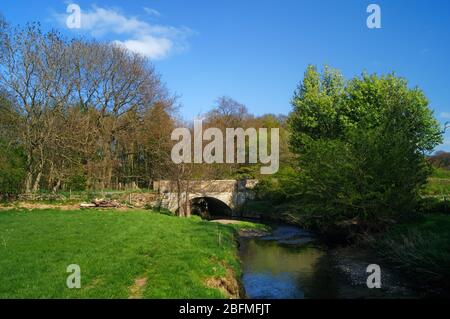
[(29, 178), (180, 208), (187, 206), (37, 181), (56, 187), (28, 182)]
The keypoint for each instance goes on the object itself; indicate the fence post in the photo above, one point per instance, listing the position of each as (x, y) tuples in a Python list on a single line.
[(445, 205)]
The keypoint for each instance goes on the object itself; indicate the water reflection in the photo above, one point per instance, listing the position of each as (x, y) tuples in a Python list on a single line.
[(273, 270), (289, 264)]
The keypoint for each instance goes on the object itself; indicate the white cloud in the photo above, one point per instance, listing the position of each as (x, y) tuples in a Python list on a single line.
[(151, 40), (152, 12), (156, 48), (445, 115)]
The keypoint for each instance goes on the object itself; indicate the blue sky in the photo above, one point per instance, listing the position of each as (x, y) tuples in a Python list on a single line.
[(257, 50)]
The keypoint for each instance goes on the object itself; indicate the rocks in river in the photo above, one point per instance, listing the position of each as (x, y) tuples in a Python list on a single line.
[(352, 263), (252, 233)]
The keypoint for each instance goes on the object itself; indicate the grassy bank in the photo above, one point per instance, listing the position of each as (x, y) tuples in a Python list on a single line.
[(438, 184), (419, 249), (135, 254)]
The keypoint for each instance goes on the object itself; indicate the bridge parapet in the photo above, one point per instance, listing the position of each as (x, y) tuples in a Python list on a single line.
[(198, 186), (233, 193)]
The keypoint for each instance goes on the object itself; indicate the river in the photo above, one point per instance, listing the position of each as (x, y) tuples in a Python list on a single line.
[(291, 263)]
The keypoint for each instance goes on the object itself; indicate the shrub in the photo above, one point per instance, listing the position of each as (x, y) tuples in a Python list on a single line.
[(420, 250), (12, 170), (76, 182)]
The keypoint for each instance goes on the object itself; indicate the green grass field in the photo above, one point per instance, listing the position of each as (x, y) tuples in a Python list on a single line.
[(121, 254), (438, 183)]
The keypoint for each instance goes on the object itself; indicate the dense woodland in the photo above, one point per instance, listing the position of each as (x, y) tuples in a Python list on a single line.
[(78, 114)]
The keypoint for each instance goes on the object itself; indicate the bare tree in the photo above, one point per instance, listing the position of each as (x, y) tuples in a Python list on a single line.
[(82, 105), (34, 70)]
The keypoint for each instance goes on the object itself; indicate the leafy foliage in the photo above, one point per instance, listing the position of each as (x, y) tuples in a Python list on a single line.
[(12, 171), (361, 146)]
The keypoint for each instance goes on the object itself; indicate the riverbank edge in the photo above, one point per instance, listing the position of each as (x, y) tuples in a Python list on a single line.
[(244, 229), (365, 242)]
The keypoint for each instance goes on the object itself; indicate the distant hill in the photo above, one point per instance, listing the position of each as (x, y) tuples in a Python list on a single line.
[(440, 159)]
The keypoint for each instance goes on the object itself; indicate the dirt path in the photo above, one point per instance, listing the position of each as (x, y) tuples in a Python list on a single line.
[(65, 207), (25, 205), (226, 221)]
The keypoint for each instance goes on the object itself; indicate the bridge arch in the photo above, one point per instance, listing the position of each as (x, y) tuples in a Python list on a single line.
[(209, 207), (226, 196)]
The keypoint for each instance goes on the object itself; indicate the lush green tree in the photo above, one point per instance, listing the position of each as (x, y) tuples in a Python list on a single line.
[(394, 132), (317, 107), (362, 147)]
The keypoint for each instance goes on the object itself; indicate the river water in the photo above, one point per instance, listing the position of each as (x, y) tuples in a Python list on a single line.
[(291, 264)]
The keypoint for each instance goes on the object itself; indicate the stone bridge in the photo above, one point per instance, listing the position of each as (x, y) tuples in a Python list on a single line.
[(205, 198)]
